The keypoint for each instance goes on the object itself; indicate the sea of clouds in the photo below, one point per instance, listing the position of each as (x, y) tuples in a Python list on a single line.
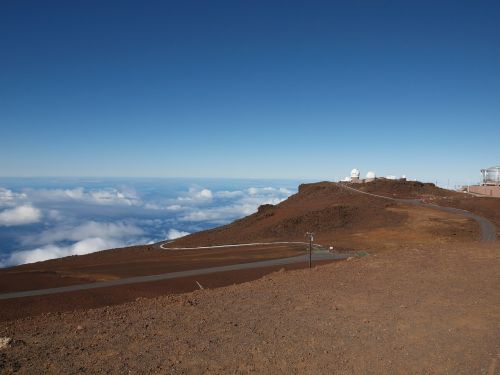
[(46, 219)]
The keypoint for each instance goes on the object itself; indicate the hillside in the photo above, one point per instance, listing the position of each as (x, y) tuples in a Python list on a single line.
[(405, 189), (418, 310), (338, 215), (342, 218), (488, 207)]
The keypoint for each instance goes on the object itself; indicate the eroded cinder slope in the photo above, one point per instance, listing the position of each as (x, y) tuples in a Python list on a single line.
[(322, 207)]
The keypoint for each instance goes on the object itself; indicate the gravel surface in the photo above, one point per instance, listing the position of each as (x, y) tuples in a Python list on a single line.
[(417, 310)]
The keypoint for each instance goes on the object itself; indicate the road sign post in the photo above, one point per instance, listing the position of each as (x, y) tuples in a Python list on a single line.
[(311, 239)]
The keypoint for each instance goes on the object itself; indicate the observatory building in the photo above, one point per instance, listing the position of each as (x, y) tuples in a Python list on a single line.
[(370, 176), (491, 176), (490, 183), (355, 176)]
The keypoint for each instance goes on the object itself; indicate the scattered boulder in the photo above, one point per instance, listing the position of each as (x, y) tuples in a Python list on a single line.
[(5, 342), (266, 209)]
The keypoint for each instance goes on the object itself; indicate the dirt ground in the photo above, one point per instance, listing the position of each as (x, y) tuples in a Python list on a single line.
[(17, 308), (424, 301), (340, 217), (417, 310), (132, 261), (485, 206)]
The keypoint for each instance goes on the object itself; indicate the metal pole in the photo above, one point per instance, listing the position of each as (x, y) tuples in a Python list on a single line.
[(311, 239), (310, 251)]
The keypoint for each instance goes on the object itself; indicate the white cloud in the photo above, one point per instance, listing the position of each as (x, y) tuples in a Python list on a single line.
[(269, 190), (174, 207), (87, 238), (204, 194), (154, 206), (55, 215), (229, 194), (8, 198), (89, 229), (111, 196), (86, 246), (195, 194), (25, 214), (65, 233), (224, 214), (174, 234), (242, 203)]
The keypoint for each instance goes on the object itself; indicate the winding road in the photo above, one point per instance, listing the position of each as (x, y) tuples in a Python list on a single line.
[(488, 229), (488, 234)]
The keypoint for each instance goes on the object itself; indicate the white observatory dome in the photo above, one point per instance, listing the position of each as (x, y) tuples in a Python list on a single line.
[(370, 175), (355, 173)]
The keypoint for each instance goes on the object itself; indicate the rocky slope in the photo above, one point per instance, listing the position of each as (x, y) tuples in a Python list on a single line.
[(335, 214)]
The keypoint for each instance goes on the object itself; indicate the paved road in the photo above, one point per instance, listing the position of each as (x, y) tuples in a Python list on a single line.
[(317, 255), (488, 230)]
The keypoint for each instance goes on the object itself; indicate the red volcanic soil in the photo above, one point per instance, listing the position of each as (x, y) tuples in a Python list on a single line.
[(404, 189), (425, 300), (323, 207), (18, 308), (132, 261), (338, 216), (342, 216), (416, 310), (487, 207)]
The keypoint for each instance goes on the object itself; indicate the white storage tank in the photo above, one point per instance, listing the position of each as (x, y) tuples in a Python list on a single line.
[(491, 176)]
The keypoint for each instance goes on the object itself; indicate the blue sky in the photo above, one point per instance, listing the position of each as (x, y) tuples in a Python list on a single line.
[(246, 89)]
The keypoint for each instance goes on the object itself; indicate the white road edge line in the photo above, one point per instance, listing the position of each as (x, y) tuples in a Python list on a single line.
[(231, 245)]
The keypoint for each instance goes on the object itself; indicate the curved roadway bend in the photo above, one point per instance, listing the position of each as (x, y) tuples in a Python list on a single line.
[(232, 245), (488, 230), (318, 255)]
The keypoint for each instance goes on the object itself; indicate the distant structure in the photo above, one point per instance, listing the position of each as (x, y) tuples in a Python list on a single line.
[(355, 176), (490, 183), (370, 176), (490, 176)]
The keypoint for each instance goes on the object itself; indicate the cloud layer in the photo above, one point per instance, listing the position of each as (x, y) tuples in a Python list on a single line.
[(174, 234), (86, 246), (83, 219), (107, 196), (85, 238), (25, 214)]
